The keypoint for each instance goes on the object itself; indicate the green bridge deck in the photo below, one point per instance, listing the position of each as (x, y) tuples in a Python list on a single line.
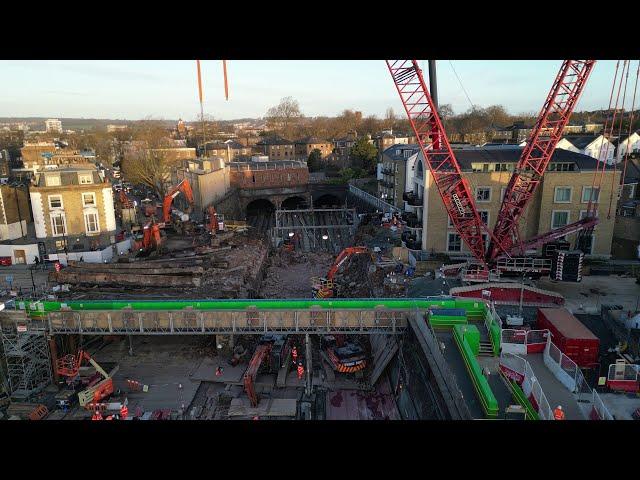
[(149, 317)]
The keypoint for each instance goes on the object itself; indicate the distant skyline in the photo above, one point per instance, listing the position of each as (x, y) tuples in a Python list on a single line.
[(132, 90)]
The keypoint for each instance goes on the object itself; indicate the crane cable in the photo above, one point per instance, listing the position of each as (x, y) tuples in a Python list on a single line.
[(461, 85), (633, 104), (627, 63), (590, 206)]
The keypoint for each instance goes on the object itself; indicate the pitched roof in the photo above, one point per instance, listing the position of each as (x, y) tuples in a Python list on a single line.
[(311, 140), (274, 140), (69, 175), (581, 141), (468, 156), (391, 151), (621, 138)]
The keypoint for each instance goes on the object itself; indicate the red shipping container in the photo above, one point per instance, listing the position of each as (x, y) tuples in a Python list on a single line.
[(569, 334)]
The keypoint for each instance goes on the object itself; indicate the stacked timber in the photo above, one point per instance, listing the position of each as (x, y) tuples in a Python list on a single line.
[(183, 272)]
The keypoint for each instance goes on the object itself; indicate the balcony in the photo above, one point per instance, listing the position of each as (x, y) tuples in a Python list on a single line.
[(412, 199), (387, 171)]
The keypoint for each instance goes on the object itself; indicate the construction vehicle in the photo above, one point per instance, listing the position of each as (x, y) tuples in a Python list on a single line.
[(325, 287), (100, 385), (148, 207), (344, 356), (272, 351), (289, 243), (214, 221), (454, 189), (180, 220), (151, 239)]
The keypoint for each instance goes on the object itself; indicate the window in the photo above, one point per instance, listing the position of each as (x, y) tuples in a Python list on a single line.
[(89, 199), (588, 195), (450, 224), (61, 245), (629, 190), (58, 224), (561, 167), (52, 180), (91, 222), (502, 167), (454, 242), (502, 192), (562, 195), (85, 179), (483, 194), (55, 201), (559, 218), (484, 216)]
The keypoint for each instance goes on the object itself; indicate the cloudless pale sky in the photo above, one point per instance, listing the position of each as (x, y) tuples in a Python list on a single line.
[(132, 90)]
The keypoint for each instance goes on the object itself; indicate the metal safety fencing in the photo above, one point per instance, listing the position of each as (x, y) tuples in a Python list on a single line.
[(523, 341), (571, 376), (518, 369)]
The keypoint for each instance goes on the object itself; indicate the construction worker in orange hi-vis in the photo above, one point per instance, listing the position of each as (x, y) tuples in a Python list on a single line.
[(294, 354), (96, 416), (219, 371), (558, 413), (300, 371), (124, 412)]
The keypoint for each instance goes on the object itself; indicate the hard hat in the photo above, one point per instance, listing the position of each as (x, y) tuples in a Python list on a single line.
[(559, 407)]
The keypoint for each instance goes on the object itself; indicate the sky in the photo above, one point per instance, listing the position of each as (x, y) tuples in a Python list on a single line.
[(132, 90)]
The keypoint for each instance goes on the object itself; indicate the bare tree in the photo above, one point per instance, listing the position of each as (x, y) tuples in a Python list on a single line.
[(147, 160), (284, 117)]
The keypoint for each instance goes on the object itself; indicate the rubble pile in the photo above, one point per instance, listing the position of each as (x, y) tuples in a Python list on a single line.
[(288, 274)]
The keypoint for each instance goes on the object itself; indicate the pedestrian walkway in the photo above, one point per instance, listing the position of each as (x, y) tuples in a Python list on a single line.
[(556, 392)]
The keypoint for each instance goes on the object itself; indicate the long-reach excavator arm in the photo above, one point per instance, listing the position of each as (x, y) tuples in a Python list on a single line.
[(537, 154), (445, 170), (261, 353), (343, 257), (183, 187)]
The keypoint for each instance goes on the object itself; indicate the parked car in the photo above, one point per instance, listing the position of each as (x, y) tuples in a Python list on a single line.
[(5, 261)]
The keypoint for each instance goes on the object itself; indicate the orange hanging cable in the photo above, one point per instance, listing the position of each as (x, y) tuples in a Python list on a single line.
[(204, 137), (226, 83), (625, 73), (199, 82), (633, 104)]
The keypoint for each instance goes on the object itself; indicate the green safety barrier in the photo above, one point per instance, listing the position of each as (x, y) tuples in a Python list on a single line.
[(38, 308), (480, 384), (522, 399)]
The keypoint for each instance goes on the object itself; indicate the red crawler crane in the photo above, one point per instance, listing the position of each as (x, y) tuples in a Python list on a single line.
[(454, 189)]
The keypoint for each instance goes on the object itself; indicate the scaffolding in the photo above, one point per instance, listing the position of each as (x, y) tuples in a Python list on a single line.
[(315, 230), (28, 365)]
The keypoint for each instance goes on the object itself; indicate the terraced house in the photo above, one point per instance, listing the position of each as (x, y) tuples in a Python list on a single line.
[(73, 210)]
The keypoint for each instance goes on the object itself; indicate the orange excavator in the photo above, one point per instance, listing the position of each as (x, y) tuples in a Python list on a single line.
[(183, 187), (151, 238), (99, 387), (274, 350), (325, 287)]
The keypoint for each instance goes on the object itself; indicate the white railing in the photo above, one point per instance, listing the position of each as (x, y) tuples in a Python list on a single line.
[(570, 375), (372, 200), (598, 406), (529, 382), (518, 341)]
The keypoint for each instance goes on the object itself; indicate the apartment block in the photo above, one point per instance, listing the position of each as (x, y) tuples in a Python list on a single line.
[(210, 180), (562, 198)]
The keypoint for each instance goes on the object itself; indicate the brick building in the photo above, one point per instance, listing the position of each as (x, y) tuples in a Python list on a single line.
[(272, 174), (276, 148), (305, 146)]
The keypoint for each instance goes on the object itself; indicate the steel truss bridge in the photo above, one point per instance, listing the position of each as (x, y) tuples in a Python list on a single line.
[(206, 317)]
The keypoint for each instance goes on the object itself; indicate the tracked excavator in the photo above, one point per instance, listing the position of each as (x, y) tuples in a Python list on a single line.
[(325, 287), (180, 220)]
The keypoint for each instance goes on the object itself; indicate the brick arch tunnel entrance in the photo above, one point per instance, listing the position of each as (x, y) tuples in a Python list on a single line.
[(294, 203), (260, 214), (328, 200)]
